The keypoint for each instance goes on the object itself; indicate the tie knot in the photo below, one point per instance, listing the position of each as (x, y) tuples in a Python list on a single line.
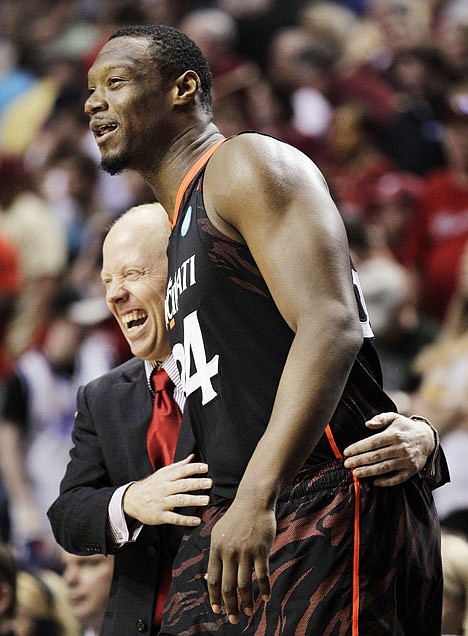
[(161, 381)]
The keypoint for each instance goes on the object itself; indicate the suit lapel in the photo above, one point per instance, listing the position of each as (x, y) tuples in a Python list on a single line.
[(133, 409), (134, 403)]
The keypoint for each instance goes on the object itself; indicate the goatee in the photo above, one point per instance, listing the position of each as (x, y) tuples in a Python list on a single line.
[(114, 165)]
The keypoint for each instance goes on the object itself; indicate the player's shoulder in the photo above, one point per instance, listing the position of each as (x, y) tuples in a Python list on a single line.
[(254, 145), (251, 158)]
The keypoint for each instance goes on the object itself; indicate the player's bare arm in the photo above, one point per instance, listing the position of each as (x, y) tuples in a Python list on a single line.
[(278, 203)]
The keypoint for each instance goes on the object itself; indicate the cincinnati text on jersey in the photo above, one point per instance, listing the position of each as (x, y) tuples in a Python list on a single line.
[(183, 278)]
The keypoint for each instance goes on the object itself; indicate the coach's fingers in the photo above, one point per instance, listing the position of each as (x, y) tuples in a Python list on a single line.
[(184, 468), (180, 500), (361, 449), (394, 480), (189, 484), (382, 420), (373, 459), (177, 519)]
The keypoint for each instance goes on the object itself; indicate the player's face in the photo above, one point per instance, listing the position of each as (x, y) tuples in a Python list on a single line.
[(134, 274), (127, 105)]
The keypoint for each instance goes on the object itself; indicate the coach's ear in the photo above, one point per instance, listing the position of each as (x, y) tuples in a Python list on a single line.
[(186, 87)]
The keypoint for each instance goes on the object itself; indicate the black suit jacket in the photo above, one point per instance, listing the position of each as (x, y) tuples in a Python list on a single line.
[(109, 438)]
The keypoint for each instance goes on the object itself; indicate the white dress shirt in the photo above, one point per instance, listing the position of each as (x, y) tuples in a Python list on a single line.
[(118, 528)]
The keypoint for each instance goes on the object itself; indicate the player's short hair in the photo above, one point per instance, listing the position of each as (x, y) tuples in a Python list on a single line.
[(174, 52)]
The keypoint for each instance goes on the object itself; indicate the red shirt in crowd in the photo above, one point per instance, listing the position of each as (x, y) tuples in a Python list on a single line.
[(437, 239)]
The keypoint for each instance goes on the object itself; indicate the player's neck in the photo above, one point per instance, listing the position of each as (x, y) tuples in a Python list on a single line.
[(184, 153)]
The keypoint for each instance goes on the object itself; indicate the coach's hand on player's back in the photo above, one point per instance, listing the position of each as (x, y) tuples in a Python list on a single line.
[(152, 500), (398, 450)]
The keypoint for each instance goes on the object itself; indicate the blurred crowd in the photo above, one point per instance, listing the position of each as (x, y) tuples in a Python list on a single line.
[(374, 91)]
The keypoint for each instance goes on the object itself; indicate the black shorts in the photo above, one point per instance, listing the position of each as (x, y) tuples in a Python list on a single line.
[(349, 559)]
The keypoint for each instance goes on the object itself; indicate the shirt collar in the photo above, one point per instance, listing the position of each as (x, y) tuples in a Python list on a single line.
[(150, 367), (170, 367)]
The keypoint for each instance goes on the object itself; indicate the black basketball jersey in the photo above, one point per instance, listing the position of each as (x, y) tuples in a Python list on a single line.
[(231, 344)]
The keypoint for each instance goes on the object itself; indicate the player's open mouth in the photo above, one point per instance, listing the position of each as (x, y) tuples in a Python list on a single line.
[(104, 131), (134, 319)]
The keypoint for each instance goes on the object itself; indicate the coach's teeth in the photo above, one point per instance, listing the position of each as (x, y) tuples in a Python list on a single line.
[(134, 319)]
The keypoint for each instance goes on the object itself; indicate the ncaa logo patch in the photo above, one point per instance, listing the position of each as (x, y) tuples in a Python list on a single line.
[(186, 222)]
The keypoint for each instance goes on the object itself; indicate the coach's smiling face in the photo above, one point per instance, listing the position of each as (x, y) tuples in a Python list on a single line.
[(134, 272)]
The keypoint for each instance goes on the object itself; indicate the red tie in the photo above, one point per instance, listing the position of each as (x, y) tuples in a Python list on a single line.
[(161, 442), (165, 423)]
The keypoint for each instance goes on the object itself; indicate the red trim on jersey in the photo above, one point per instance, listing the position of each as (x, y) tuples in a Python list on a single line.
[(198, 165), (356, 553), (357, 535), (331, 441)]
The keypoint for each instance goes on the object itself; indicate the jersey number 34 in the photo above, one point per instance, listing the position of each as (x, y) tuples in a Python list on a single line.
[(196, 371)]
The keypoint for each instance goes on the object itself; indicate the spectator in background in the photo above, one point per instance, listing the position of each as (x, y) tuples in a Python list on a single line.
[(215, 32), (107, 17), (392, 205), (10, 280), (39, 240), (256, 21), (443, 367), (63, 131), (300, 72), (438, 234), (70, 183), (14, 79), (355, 162), (54, 581), (402, 23), (42, 608), (455, 564), (9, 287), (451, 36), (414, 136), (363, 64), (400, 331), (8, 568), (329, 22), (37, 419), (88, 579), (310, 101), (24, 117)]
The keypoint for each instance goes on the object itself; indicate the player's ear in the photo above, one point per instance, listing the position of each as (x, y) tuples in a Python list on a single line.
[(186, 87)]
